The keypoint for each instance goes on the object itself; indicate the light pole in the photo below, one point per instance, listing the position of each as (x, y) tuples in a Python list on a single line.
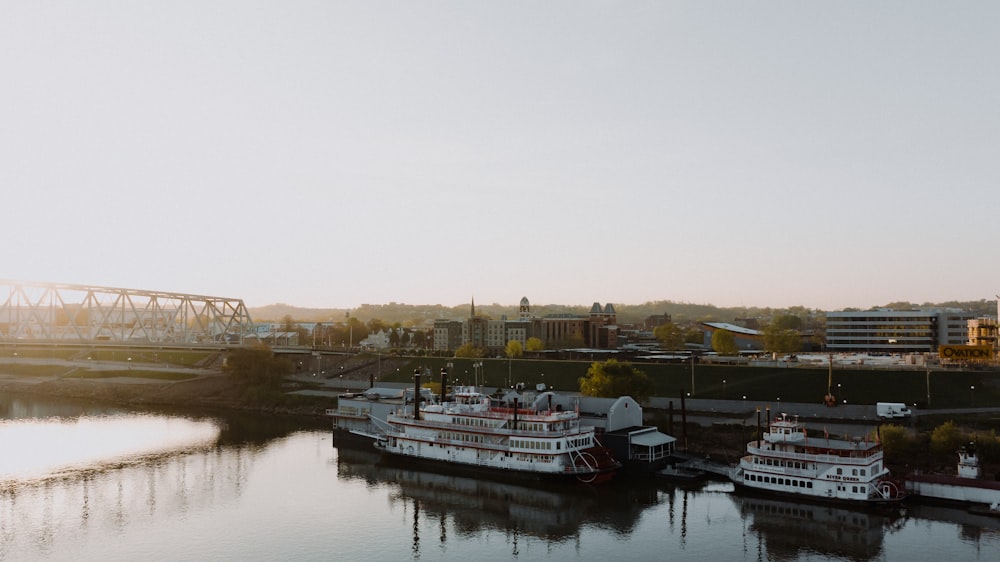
[(692, 374), (723, 389), (927, 382), (129, 363), (972, 393)]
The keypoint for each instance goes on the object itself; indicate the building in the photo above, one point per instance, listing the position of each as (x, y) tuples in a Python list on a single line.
[(598, 329), (983, 332), (745, 338), (447, 335), (895, 331)]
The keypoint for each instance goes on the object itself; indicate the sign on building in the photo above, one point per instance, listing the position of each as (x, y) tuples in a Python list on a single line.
[(965, 352)]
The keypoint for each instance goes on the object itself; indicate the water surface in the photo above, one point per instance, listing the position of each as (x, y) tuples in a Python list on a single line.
[(82, 482)]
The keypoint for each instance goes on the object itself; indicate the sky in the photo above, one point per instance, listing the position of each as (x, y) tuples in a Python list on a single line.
[(825, 154)]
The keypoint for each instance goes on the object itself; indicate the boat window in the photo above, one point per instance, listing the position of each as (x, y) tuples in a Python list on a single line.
[(840, 471)]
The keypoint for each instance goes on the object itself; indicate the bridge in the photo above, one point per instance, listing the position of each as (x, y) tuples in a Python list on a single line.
[(83, 314)]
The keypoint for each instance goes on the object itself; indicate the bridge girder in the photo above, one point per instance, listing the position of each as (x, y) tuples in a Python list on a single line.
[(65, 313)]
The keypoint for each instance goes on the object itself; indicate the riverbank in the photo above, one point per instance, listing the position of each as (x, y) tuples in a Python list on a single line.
[(215, 391)]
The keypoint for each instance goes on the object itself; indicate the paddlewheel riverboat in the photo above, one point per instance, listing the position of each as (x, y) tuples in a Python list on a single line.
[(471, 433), (789, 462)]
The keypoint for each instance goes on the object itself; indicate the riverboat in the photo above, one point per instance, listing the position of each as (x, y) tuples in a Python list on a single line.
[(967, 486), (788, 462), (471, 434), (359, 418)]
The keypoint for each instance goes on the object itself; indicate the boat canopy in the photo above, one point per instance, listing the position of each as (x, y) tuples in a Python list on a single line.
[(652, 439)]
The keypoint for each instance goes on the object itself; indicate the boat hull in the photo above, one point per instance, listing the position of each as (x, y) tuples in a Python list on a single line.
[(500, 474), (823, 500)]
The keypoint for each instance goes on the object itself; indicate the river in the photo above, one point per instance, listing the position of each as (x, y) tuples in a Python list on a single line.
[(81, 482)]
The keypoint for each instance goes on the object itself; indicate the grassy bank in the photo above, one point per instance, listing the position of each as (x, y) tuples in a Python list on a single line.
[(947, 389)]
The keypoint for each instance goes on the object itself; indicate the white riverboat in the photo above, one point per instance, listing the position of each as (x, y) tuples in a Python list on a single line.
[(789, 462), (967, 486), (469, 433)]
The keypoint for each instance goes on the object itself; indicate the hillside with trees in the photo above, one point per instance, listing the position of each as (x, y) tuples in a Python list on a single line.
[(408, 315)]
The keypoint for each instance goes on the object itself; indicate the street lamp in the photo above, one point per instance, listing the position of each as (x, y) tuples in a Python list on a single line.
[(692, 374), (972, 393), (723, 389), (129, 363)]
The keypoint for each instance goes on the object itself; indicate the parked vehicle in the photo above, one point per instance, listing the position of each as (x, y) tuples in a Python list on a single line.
[(890, 410)]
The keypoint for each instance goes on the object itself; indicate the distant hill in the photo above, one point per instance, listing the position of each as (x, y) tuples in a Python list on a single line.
[(416, 315)]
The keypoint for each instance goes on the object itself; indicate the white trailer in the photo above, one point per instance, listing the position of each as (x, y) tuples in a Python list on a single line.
[(890, 410)]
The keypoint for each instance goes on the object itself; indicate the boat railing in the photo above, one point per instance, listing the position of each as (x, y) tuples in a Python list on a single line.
[(824, 458), (573, 431), (771, 469)]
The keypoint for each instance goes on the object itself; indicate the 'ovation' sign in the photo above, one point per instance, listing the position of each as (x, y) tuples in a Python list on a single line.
[(966, 352)]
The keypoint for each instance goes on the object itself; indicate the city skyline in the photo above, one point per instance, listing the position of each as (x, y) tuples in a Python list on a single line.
[(828, 155)]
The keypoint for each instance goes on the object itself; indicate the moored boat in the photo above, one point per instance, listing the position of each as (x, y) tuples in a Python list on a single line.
[(788, 462), (967, 486), (471, 434)]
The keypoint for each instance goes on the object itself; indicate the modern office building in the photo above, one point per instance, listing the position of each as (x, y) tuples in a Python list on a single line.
[(895, 331)]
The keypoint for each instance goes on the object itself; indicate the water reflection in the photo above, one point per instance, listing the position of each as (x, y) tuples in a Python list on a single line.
[(973, 528), (107, 501), (57, 447), (790, 531), (72, 470), (470, 507)]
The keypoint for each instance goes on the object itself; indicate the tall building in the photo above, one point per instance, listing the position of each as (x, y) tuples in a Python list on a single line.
[(895, 331)]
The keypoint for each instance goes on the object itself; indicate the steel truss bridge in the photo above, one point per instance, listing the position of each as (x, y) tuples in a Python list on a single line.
[(73, 314)]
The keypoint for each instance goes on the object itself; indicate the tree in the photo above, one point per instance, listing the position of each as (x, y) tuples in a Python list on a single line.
[(288, 323), (256, 366), (356, 331), (724, 342), (375, 324), (470, 351), (419, 338), (896, 441), (946, 439), (670, 335), (695, 336), (534, 344), (781, 340), (612, 379), (786, 322), (514, 349)]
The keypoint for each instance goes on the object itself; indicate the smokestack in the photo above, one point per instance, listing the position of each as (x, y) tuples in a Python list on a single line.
[(684, 422), (416, 394), (444, 383), (758, 426), (515, 414)]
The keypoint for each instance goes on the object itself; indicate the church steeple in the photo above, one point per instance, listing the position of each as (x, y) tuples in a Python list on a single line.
[(473, 307)]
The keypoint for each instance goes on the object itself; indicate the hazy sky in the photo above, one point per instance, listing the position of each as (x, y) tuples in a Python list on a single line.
[(329, 154)]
